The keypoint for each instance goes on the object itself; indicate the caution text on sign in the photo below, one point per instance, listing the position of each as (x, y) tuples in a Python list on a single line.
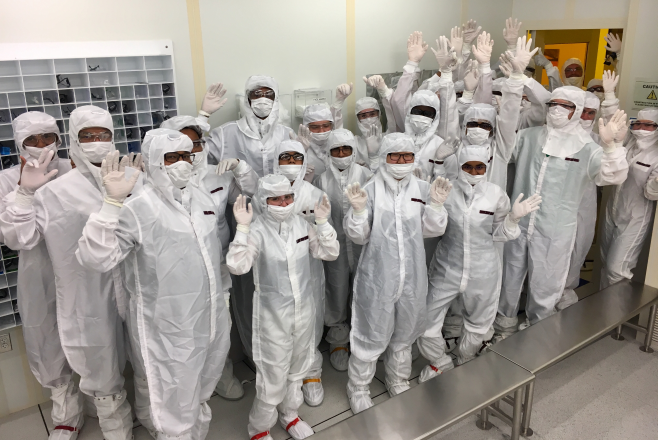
[(645, 94)]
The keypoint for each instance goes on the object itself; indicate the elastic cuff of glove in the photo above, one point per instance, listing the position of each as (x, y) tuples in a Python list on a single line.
[(549, 68), (412, 63), (242, 167), (512, 224), (24, 198), (517, 77), (360, 213), (204, 114), (436, 206), (109, 211), (611, 147), (468, 95), (385, 93), (243, 228), (609, 96), (320, 221), (512, 48), (484, 68)]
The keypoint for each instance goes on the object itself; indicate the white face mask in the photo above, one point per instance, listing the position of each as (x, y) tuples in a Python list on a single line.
[(35, 152), (95, 152), (587, 124), (557, 117), (645, 138), (576, 81), (342, 163), (290, 171), (179, 173), (280, 213), (525, 105), (473, 180), (477, 135), (262, 107), (400, 170), (370, 122), (419, 124), (199, 159), (320, 138), (600, 95)]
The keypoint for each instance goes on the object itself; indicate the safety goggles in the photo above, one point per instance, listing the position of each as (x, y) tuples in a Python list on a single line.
[(561, 104), (175, 157), (344, 150), (286, 157), (317, 127), (648, 126), (199, 143), (596, 89), (588, 112), (289, 198), (574, 70), (46, 138), (257, 94), (476, 124), (428, 113), (480, 168), (104, 136), (395, 157), (367, 115)]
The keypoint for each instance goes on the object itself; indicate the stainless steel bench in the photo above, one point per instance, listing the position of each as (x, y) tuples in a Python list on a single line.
[(439, 403), (559, 336)]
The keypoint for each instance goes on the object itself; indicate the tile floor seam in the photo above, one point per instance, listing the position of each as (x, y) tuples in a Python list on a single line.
[(43, 419), (332, 417)]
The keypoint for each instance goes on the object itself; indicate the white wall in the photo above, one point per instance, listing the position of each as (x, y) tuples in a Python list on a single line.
[(492, 20)]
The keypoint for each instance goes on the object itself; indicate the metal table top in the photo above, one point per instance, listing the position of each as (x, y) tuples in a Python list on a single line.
[(436, 404), (557, 337)]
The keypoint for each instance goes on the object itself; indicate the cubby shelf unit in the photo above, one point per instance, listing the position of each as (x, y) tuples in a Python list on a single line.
[(9, 316)]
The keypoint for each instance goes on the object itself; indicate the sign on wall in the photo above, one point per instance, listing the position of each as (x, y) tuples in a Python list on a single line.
[(645, 94)]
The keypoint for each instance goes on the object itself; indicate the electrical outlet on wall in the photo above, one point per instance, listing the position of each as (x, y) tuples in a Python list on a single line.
[(5, 343)]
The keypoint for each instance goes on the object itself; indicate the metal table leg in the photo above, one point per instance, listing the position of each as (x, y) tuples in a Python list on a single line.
[(484, 422), (516, 418), (526, 431), (617, 334), (647, 339)]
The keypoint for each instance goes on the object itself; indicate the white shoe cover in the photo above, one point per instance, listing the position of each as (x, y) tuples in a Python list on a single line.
[(231, 389), (65, 434), (299, 430), (398, 388), (360, 401), (415, 352), (524, 325), (339, 357), (313, 393), (428, 373)]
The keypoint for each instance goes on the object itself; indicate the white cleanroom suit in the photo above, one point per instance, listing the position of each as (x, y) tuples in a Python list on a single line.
[(316, 154)]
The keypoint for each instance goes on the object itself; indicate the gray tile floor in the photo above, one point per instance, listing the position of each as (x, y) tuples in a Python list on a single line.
[(606, 391)]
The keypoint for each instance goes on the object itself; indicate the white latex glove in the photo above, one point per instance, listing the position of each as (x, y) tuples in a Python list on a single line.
[(614, 43), (310, 173), (418, 172), (113, 174), (416, 47), (471, 31), (457, 40), (447, 148), (472, 76), (613, 130), (343, 91), (212, 101), (504, 64), (541, 60), (511, 32), (523, 55), (322, 210), (445, 56), (439, 191), (373, 139), (304, 136), (136, 161), (226, 165), (522, 208), (610, 80), (357, 197), (242, 213), (377, 81), (33, 172), (482, 52)]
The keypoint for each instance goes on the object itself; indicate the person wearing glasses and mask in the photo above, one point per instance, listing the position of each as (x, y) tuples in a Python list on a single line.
[(341, 171), (390, 216), (317, 123), (281, 246), (90, 305), (466, 262), (232, 177), (178, 322), (628, 215), (34, 134), (555, 161), (253, 137)]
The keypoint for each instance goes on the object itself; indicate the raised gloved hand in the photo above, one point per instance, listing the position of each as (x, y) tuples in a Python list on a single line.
[(242, 213), (447, 148), (511, 32), (522, 208), (457, 40), (541, 60), (470, 31), (482, 52), (357, 197), (136, 161), (343, 91), (378, 83), (373, 139), (416, 47), (523, 55), (445, 55), (472, 76), (418, 172), (614, 43), (322, 210), (439, 191), (505, 64), (226, 165), (304, 136), (310, 173), (113, 173), (34, 173), (212, 101), (610, 80), (612, 134)]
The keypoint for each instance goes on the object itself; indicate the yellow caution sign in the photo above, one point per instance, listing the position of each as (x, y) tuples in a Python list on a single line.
[(652, 95)]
